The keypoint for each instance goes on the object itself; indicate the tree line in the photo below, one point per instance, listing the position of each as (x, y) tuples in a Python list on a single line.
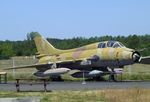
[(27, 47)]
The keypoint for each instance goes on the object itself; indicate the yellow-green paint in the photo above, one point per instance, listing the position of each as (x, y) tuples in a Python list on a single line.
[(47, 53)]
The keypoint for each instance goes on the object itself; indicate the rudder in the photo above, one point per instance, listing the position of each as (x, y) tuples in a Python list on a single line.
[(44, 47)]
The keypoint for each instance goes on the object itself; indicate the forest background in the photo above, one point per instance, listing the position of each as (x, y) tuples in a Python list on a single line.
[(27, 47)]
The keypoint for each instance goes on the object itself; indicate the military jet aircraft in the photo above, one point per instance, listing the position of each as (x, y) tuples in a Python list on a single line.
[(95, 60)]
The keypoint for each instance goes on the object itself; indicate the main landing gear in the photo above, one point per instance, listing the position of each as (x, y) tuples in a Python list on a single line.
[(112, 76), (56, 78)]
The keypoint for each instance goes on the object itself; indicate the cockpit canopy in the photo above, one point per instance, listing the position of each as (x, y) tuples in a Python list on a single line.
[(113, 44)]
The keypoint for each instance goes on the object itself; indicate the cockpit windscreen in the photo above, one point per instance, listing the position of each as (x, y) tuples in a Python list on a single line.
[(113, 44)]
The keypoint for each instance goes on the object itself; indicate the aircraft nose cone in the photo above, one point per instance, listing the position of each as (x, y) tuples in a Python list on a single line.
[(136, 57)]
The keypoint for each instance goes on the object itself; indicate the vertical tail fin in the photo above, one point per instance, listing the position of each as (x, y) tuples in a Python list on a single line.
[(43, 46)]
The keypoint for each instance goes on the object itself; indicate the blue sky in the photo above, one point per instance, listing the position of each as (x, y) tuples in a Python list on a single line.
[(72, 18)]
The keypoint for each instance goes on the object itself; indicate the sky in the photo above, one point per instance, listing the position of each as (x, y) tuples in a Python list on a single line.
[(73, 18)]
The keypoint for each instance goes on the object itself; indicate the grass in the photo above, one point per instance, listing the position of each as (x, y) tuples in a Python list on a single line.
[(108, 95), (137, 68)]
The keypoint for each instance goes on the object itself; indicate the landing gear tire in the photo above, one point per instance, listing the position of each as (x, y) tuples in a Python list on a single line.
[(98, 78), (58, 78)]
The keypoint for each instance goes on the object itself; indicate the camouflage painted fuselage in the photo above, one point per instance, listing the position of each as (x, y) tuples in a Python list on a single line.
[(108, 57)]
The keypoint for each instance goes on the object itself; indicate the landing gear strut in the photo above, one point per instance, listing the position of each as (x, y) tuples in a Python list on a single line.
[(112, 77)]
